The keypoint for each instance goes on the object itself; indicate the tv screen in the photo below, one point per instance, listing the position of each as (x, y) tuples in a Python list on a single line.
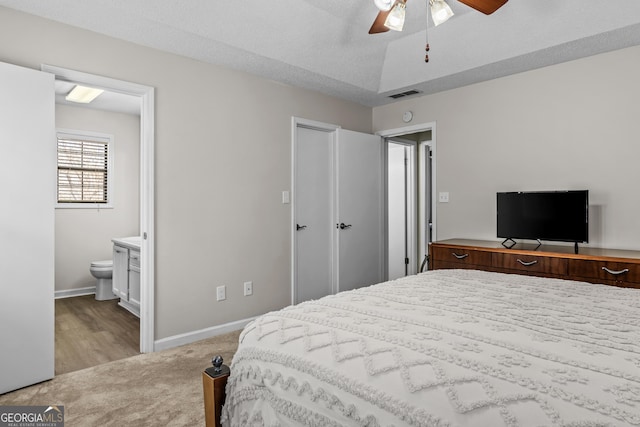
[(544, 215)]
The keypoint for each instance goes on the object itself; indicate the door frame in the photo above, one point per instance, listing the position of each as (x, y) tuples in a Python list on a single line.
[(297, 122), (422, 206), (147, 187)]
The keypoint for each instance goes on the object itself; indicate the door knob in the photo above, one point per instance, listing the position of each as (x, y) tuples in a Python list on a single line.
[(300, 227), (343, 226)]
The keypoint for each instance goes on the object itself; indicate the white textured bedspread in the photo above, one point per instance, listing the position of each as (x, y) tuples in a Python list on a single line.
[(444, 348)]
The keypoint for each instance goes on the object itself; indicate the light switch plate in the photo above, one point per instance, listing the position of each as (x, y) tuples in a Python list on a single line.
[(221, 293), (285, 197), (248, 288)]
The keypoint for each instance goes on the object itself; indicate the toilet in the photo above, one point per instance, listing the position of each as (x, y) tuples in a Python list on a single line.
[(103, 270)]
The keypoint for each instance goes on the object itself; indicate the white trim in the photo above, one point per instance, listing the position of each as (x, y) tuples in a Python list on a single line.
[(147, 221), (189, 337), (422, 207), (320, 126), (78, 292), (406, 130), (434, 197), (131, 308), (147, 187)]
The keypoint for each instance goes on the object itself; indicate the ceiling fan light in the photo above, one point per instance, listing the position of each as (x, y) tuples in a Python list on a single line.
[(384, 5), (395, 19), (440, 11)]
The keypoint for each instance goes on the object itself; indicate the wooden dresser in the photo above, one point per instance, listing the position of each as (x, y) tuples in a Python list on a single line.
[(596, 265)]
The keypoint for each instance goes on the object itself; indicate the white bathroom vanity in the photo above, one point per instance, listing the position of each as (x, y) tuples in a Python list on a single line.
[(126, 272)]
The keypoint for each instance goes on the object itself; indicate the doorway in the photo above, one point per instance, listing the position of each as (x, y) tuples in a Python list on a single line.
[(145, 94), (410, 198), (401, 212)]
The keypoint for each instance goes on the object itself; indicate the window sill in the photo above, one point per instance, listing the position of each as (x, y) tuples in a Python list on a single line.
[(84, 206)]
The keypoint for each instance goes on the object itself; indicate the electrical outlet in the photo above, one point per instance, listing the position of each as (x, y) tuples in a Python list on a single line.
[(248, 288), (444, 197), (221, 293)]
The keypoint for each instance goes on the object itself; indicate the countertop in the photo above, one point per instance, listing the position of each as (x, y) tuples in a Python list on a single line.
[(128, 242)]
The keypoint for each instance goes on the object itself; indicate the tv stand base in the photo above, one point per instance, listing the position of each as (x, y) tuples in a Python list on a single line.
[(513, 243), (509, 245)]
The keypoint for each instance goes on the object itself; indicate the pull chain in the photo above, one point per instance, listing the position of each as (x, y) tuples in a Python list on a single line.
[(426, 32)]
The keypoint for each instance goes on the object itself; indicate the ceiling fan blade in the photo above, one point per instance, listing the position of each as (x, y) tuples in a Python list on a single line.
[(485, 6), (378, 23)]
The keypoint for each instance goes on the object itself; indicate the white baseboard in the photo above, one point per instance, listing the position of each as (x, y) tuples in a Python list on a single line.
[(68, 293), (189, 337), (131, 308)]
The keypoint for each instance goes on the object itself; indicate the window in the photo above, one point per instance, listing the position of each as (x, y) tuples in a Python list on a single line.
[(84, 169)]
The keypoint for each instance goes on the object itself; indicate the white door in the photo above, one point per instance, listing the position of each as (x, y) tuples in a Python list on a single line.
[(120, 275), (27, 191), (397, 232), (401, 202), (313, 206), (338, 211), (359, 210)]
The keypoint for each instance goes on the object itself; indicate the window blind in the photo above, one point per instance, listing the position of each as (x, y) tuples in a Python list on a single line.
[(82, 171)]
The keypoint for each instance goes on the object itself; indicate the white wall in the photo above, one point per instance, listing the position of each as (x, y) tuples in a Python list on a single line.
[(222, 160), (569, 126), (84, 235)]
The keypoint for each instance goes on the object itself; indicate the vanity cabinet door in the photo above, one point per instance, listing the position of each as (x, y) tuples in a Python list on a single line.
[(134, 277), (120, 278)]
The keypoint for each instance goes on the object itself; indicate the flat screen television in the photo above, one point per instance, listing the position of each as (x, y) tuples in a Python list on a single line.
[(561, 216)]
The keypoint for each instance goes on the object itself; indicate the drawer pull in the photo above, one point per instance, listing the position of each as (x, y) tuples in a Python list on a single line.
[(615, 273), (527, 264), (463, 256)]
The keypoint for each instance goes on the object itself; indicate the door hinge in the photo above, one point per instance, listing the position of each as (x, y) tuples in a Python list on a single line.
[(406, 261)]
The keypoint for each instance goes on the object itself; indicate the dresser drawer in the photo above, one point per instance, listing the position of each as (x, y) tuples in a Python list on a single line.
[(605, 271), (461, 256), (530, 263)]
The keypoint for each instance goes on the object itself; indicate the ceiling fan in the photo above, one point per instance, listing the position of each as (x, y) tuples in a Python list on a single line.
[(391, 15)]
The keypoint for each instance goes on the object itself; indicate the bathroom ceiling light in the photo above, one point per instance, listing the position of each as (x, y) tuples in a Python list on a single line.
[(83, 94)]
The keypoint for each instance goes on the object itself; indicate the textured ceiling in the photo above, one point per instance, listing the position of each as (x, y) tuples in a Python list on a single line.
[(323, 44)]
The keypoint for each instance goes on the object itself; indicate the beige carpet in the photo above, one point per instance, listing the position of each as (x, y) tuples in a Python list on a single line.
[(155, 389)]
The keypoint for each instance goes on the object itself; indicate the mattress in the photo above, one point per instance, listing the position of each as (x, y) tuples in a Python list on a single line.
[(444, 348)]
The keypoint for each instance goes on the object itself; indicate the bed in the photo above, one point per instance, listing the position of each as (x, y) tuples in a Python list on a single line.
[(444, 348)]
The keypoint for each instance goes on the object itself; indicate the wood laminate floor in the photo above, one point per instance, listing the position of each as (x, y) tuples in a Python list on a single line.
[(89, 333)]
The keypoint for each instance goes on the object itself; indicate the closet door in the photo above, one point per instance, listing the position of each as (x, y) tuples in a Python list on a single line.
[(338, 211), (313, 216), (27, 192), (359, 224)]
